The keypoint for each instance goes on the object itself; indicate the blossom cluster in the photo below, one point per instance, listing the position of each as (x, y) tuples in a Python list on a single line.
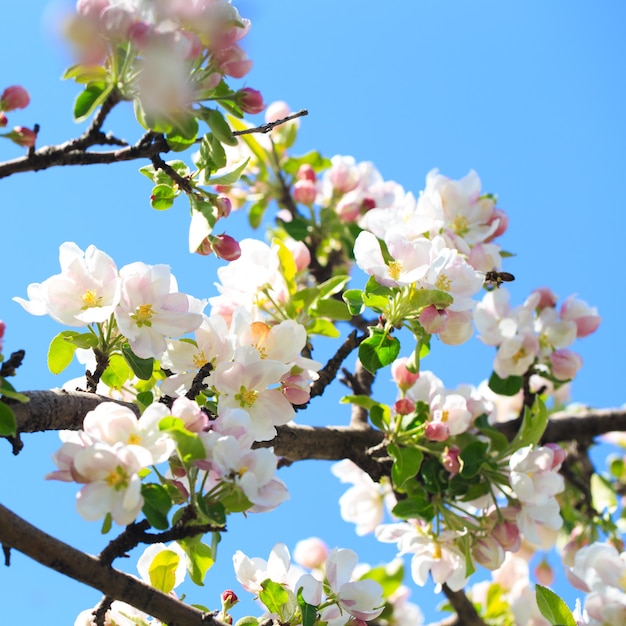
[(535, 333), (331, 586), (168, 55), (139, 302), (12, 98)]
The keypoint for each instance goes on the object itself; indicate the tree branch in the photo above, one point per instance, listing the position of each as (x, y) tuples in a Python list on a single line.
[(16, 533)]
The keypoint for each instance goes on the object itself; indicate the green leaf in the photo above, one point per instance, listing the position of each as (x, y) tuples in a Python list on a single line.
[(313, 158), (533, 426), (85, 73), (189, 445), (472, 458), (507, 386), (320, 326), (333, 286), (249, 620), (106, 524), (378, 350), (332, 309), (421, 298), (354, 299), (256, 213), (273, 596), (8, 391), (380, 416), (90, 98), (201, 558), (61, 351), (406, 463), (163, 196), (497, 439), (8, 423), (219, 126), (297, 229), (307, 611), (553, 608), (142, 368), (417, 505), (162, 570), (231, 176), (117, 372), (157, 504), (603, 495)]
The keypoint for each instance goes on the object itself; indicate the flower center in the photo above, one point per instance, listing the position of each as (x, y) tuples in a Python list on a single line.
[(460, 225), (143, 315), (199, 360), (395, 268), (246, 397), (118, 478), (90, 299), (443, 283)]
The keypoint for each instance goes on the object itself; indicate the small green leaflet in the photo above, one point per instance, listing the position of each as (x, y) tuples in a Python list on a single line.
[(8, 423), (378, 350), (162, 570)]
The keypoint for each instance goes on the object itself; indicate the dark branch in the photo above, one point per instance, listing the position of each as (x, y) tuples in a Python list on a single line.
[(265, 128)]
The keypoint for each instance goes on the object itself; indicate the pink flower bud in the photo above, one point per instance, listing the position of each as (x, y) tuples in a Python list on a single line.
[(559, 455), (507, 534), (437, 431), (229, 598), (344, 175), (348, 211), (23, 136), (450, 460), (306, 172), (503, 224), (250, 100), (544, 573), (304, 192), (565, 364), (367, 204), (233, 61), (311, 553), (433, 320), (223, 206), (585, 317), (225, 247), (296, 389), (547, 298), (2, 329), (488, 553), (205, 248), (3, 119), (401, 375), (404, 406), (14, 97)]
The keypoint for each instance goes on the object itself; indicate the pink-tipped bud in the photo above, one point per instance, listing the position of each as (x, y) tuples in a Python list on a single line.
[(507, 534), (2, 329), (229, 598), (547, 298), (348, 211), (304, 192), (306, 172), (311, 552), (4, 120), (565, 364), (488, 553), (296, 389), (223, 206), (433, 320), (205, 248), (344, 174), (226, 247), (233, 61), (450, 459), (437, 431), (401, 375), (404, 406), (277, 111), (250, 100), (558, 457), (367, 204), (585, 317), (14, 97), (301, 254), (503, 223), (23, 136)]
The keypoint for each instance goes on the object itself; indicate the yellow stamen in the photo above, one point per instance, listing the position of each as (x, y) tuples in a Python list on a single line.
[(143, 315), (90, 299), (246, 397), (118, 478), (443, 283), (199, 360), (395, 269)]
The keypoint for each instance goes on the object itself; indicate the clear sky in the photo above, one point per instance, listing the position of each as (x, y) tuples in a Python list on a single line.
[(529, 94)]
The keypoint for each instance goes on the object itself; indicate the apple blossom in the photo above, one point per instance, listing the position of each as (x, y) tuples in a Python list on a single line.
[(14, 97), (84, 291), (578, 311), (251, 572), (311, 552), (149, 308)]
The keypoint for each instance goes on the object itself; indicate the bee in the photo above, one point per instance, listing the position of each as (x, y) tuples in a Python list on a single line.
[(495, 278)]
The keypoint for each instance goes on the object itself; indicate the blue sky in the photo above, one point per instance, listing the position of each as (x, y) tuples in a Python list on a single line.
[(529, 94)]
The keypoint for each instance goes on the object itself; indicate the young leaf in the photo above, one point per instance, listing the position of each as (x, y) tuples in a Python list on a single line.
[(189, 445), (219, 126), (61, 351), (229, 177), (553, 608), (505, 386), (406, 463), (157, 504), (307, 611), (273, 596), (378, 350), (201, 558), (94, 94), (142, 368)]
